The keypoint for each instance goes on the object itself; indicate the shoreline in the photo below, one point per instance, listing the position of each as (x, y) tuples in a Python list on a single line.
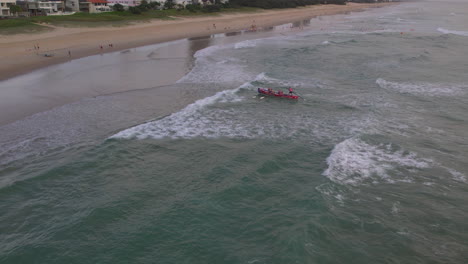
[(19, 55)]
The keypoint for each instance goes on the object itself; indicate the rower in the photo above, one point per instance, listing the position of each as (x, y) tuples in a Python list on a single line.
[(290, 91)]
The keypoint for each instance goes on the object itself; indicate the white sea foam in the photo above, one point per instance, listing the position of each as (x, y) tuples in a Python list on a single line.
[(208, 51), (455, 32), (365, 32), (189, 122), (395, 209), (202, 119), (246, 44), (458, 176), (424, 89), (211, 67), (296, 83), (354, 161), (221, 116)]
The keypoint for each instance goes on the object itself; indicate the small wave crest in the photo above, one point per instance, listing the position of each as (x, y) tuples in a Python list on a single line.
[(355, 161), (455, 32), (245, 44), (211, 66), (424, 89)]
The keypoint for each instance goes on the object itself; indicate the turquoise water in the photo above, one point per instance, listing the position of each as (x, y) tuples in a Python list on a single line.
[(369, 167)]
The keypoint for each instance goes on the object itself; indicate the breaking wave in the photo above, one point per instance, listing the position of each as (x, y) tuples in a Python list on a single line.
[(354, 161), (246, 44), (204, 119), (424, 89), (212, 68), (222, 115), (189, 122)]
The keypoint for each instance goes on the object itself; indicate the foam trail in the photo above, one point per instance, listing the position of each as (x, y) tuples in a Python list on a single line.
[(455, 32), (175, 125), (354, 161), (424, 89)]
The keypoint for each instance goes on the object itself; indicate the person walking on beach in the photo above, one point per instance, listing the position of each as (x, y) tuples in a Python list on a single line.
[(69, 53)]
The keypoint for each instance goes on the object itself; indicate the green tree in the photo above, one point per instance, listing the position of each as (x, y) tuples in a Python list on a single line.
[(169, 4), (144, 6), (193, 7), (154, 5), (134, 10), (118, 8), (15, 9), (180, 7)]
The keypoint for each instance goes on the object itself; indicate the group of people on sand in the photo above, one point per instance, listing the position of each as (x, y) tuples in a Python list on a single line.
[(110, 46)]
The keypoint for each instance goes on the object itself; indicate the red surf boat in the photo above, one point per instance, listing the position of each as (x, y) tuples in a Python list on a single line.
[(270, 92)]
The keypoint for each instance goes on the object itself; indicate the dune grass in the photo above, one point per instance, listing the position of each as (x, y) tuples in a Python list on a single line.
[(20, 26)]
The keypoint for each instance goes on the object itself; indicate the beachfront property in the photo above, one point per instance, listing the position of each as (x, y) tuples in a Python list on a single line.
[(72, 5), (53, 7), (37, 7), (94, 6), (5, 7), (125, 2)]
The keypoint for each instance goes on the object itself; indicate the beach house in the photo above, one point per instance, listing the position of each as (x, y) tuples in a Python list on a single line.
[(5, 7), (44, 7), (125, 2), (177, 2), (72, 5), (94, 6)]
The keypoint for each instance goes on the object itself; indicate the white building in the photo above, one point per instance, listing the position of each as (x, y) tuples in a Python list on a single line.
[(95, 6), (72, 5), (5, 7), (48, 7), (125, 2)]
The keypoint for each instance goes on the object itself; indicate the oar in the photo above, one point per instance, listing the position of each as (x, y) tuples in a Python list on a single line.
[(300, 95)]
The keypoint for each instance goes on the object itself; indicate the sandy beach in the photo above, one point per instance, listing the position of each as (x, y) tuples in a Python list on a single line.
[(19, 55)]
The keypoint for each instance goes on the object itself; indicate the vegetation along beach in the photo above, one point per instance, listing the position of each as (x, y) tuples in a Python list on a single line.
[(242, 131)]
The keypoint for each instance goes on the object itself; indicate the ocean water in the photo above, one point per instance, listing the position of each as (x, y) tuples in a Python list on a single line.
[(370, 166)]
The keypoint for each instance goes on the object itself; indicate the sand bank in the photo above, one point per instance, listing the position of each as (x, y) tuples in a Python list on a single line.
[(19, 55)]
